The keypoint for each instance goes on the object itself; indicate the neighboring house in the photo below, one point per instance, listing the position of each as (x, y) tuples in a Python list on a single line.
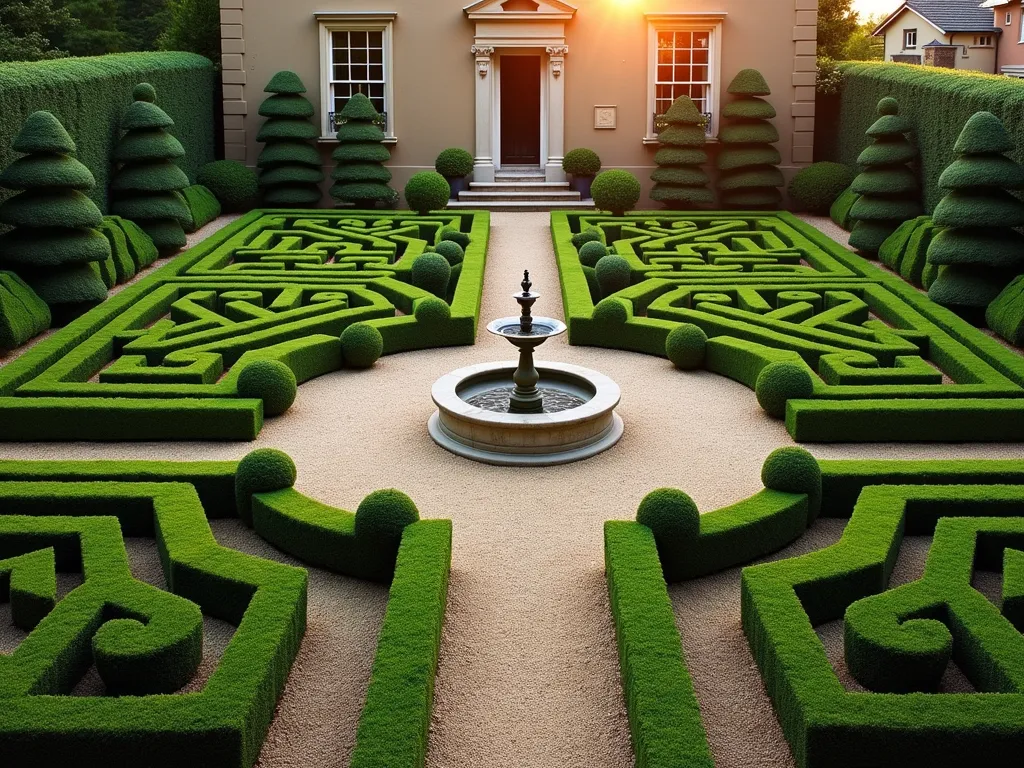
[(519, 82), (956, 34), (1009, 17)]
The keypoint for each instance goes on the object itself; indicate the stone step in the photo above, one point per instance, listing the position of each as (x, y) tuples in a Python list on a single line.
[(505, 195), (534, 178), (523, 205), (518, 186)]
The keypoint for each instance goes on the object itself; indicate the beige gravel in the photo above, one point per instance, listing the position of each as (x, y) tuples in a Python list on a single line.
[(529, 672)]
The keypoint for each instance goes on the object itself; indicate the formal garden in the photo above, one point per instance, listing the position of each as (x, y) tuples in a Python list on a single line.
[(714, 520)]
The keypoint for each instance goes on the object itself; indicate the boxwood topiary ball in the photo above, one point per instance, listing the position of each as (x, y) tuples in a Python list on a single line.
[(454, 163), (144, 92), (455, 236), (432, 272), (452, 252), (592, 252), (235, 185), (686, 346), (611, 311), (671, 515), (613, 274), (361, 345), (794, 470), (427, 191), (590, 235), (817, 187), (616, 191), (432, 310), (779, 382), (261, 471), (385, 514), (270, 381), (581, 162)]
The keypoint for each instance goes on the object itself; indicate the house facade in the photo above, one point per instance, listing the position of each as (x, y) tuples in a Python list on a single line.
[(955, 34), (1009, 18), (519, 82)]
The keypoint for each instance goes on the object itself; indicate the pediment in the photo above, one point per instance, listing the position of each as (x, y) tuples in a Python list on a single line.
[(496, 10)]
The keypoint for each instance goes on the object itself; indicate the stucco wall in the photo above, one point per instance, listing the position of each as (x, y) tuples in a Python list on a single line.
[(1011, 50), (434, 71), (967, 57)]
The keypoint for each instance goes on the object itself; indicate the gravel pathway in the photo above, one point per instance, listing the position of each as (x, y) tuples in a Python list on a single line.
[(529, 670)]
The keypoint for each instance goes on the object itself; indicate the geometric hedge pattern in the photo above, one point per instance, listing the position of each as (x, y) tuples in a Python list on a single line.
[(885, 362), (161, 359)]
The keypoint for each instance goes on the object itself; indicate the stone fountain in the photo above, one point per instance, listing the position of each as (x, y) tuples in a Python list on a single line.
[(530, 413)]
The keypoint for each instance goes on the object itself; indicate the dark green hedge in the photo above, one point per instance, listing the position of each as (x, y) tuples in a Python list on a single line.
[(938, 103), (89, 97)]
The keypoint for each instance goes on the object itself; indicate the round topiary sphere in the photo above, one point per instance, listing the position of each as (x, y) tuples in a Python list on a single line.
[(815, 188), (888, 106), (385, 514), (432, 272), (455, 236), (261, 471), (589, 235), (686, 346), (671, 515), (616, 191), (592, 252), (361, 345), (427, 191), (234, 185), (451, 251), (432, 310), (611, 311), (270, 381), (794, 470), (581, 162), (144, 92), (454, 163), (613, 274), (780, 382)]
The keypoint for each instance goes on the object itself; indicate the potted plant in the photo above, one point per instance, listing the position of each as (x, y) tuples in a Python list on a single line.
[(455, 165), (583, 165)]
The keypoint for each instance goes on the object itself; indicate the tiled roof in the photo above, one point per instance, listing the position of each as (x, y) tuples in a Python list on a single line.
[(955, 15)]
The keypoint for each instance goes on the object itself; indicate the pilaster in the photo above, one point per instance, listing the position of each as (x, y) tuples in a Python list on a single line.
[(233, 76)]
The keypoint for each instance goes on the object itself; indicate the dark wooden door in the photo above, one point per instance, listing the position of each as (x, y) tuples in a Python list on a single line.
[(520, 110)]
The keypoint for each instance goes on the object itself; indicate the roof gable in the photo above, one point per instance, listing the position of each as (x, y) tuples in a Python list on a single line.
[(946, 15), (552, 9)]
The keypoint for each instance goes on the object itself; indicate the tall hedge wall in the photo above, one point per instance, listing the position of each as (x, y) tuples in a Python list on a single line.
[(938, 103), (90, 95)]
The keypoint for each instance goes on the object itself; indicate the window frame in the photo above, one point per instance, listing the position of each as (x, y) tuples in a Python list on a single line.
[(356, 21), (1009, 19), (906, 37), (685, 22), (979, 41), (1021, 40)]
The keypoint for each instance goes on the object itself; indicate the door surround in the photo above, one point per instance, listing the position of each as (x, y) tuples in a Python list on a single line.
[(507, 32)]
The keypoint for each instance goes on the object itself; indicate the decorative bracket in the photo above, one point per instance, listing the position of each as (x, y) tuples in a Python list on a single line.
[(557, 54), (483, 55)]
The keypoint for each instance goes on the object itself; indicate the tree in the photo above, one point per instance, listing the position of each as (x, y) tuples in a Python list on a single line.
[(862, 45), (26, 28), (194, 25), (837, 22), (888, 189), (750, 176), (291, 168), (142, 22), (360, 177), (679, 180), (97, 31), (145, 185), (54, 237), (978, 253)]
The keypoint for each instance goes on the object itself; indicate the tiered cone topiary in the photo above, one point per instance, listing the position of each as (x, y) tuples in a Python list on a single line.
[(54, 241), (146, 185), (750, 177), (360, 177), (888, 189), (679, 180), (290, 167), (978, 252)]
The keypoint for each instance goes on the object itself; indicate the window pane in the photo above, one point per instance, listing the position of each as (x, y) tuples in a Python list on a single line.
[(358, 39), (360, 72), (358, 55), (683, 56), (341, 55), (700, 74), (665, 92), (376, 72), (682, 75), (341, 72), (700, 56), (376, 56), (664, 57), (664, 74), (376, 39), (700, 39), (341, 39), (683, 39), (664, 39)]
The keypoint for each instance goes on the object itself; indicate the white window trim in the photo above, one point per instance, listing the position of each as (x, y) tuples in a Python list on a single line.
[(684, 22), (341, 21), (1021, 26), (1009, 18), (990, 44), (906, 36)]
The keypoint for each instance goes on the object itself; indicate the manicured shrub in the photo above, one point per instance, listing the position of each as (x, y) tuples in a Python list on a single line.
[(451, 251), (592, 252), (679, 181), (581, 162), (840, 210), (780, 382), (361, 345), (611, 311), (455, 236), (270, 381), (432, 311), (888, 187), (978, 252), (54, 241), (23, 315), (748, 161), (816, 188), (593, 287), (427, 191), (143, 188), (454, 163), (589, 235), (384, 515), (431, 272), (616, 191), (261, 471), (291, 169), (905, 250), (672, 516), (1005, 315), (686, 346), (232, 183), (794, 470), (613, 274), (360, 177), (203, 207), (131, 249)]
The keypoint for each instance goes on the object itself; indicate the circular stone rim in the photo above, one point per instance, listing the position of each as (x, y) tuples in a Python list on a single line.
[(557, 328)]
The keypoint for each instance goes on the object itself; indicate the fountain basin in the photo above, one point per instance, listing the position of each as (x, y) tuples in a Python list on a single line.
[(526, 439)]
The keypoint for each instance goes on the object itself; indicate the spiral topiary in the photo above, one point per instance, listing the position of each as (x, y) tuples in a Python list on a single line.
[(686, 346), (451, 251), (589, 235), (616, 191), (432, 310), (592, 252), (454, 163), (816, 188), (748, 160), (455, 236), (291, 167), (432, 272), (383, 515), (361, 345), (672, 516), (271, 381), (427, 191), (360, 177), (679, 180), (232, 183), (581, 162), (794, 470), (613, 274), (780, 382), (611, 311), (261, 471)]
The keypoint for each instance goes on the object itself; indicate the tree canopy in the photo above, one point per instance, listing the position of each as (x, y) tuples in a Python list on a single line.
[(837, 23)]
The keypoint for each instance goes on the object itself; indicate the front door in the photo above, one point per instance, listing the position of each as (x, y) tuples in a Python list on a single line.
[(520, 110)]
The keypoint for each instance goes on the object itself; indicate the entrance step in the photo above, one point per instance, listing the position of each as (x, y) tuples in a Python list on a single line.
[(523, 205), (518, 186), (500, 195)]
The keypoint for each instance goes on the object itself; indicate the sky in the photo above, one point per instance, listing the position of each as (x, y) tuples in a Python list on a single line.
[(869, 7)]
